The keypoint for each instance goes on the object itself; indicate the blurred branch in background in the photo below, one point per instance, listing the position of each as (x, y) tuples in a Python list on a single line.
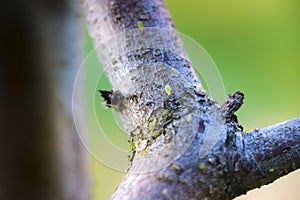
[(41, 157)]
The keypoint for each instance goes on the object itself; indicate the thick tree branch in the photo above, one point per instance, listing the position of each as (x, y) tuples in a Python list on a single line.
[(271, 152), (238, 163), (185, 145)]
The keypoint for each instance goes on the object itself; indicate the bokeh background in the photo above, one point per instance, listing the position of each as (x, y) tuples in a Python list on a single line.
[(256, 46)]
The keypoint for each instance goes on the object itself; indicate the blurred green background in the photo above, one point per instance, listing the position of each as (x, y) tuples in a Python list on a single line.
[(256, 46)]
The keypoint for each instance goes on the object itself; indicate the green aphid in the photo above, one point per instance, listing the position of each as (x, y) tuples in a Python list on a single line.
[(271, 170), (113, 61), (168, 89), (202, 166), (168, 139), (156, 134), (173, 69), (152, 123), (132, 146), (164, 192), (140, 25), (151, 119), (189, 118), (143, 152)]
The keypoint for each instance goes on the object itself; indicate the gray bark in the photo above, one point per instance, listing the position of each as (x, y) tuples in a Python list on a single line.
[(41, 156), (185, 145)]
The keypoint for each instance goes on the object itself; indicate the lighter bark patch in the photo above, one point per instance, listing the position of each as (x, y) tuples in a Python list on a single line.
[(215, 128)]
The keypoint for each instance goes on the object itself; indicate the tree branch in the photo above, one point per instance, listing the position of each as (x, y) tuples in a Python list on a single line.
[(238, 163), (184, 144), (271, 152)]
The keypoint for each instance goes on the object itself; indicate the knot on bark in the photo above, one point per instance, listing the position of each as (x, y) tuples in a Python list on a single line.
[(232, 103)]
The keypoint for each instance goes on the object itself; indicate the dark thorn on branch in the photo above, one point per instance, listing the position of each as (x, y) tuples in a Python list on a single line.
[(107, 96), (232, 103)]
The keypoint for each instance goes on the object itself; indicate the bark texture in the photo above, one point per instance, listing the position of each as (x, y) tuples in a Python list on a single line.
[(185, 145), (41, 156)]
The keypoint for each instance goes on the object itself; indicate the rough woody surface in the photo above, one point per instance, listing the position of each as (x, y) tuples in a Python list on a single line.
[(165, 102)]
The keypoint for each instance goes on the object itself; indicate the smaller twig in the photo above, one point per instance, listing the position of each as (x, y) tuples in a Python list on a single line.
[(232, 104)]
